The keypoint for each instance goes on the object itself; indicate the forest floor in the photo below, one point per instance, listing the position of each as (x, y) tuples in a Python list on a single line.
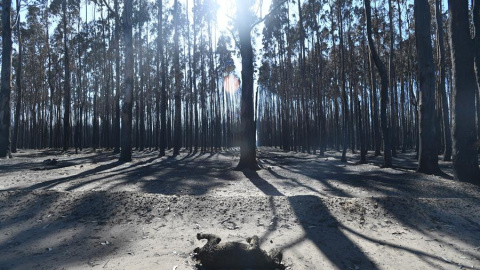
[(89, 211)]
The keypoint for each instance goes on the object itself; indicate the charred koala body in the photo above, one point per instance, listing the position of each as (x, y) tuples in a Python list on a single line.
[(235, 256)]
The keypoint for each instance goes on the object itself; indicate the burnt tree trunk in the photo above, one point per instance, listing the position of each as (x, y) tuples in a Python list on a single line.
[(377, 137), (447, 136), (465, 159), (66, 112), (387, 157), (427, 158), (177, 140), (163, 90), (116, 125), (343, 82), (392, 82), (18, 103), (126, 140), (6, 77), (247, 144)]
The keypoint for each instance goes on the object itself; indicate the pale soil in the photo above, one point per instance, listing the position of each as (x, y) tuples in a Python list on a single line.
[(91, 212)]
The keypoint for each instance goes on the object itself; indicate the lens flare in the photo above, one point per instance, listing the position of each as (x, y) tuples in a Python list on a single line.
[(231, 83)]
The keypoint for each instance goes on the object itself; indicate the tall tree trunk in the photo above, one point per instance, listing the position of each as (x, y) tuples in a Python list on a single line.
[(189, 75), (126, 141), (465, 159), (163, 90), (18, 103), (344, 91), (178, 85), (106, 92), (6, 85), (391, 79), (51, 85), (141, 90), (476, 22), (67, 96), (247, 145), (194, 79), (427, 158), (158, 93), (401, 67), (447, 136), (304, 86), (116, 137), (377, 137), (387, 157)]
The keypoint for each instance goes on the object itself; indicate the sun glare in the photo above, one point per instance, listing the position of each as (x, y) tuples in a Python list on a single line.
[(231, 83), (225, 12)]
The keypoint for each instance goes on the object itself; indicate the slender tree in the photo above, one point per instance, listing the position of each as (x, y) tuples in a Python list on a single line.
[(387, 158), (392, 81), (116, 124), (442, 93), (177, 140), (18, 84), (343, 82), (163, 90), (66, 82)]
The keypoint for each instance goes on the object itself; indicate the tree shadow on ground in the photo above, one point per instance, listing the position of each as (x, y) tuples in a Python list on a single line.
[(188, 174), (36, 226), (262, 184), (322, 229), (200, 173), (329, 235), (329, 171), (334, 244), (431, 206), (52, 183)]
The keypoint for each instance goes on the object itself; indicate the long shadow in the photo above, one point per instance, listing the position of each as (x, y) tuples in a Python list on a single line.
[(332, 243), (397, 190), (28, 248), (32, 162), (189, 174), (322, 229), (55, 182), (267, 188), (408, 162), (382, 182), (183, 176), (328, 186), (437, 218), (424, 256)]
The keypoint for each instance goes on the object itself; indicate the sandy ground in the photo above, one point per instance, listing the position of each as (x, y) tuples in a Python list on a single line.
[(90, 212)]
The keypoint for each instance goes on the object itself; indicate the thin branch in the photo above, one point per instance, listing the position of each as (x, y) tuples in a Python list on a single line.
[(234, 38), (269, 13), (115, 14), (17, 17)]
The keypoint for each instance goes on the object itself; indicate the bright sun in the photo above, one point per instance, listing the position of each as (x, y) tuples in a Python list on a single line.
[(226, 9)]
